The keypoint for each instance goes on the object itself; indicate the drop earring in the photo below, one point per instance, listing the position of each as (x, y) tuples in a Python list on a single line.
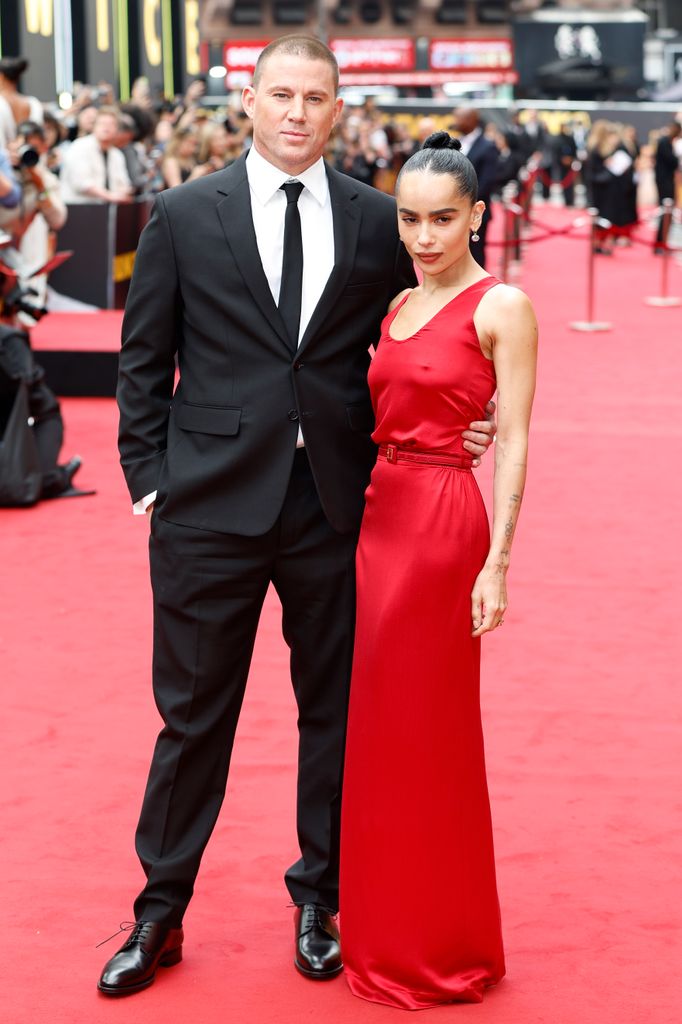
[(475, 237)]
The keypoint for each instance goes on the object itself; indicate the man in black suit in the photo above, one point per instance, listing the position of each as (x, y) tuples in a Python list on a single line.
[(666, 168), (269, 291), (484, 155)]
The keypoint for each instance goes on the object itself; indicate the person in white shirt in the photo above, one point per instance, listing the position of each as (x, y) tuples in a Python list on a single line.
[(93, 169)]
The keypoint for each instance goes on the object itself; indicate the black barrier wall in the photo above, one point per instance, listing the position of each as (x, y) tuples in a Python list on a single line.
[(103, 237)]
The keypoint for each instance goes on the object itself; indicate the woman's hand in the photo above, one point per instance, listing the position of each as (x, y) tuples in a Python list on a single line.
[(488, 600)]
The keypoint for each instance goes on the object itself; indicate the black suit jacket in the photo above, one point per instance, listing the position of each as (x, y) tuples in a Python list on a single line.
[(219, 450), (485, 157), (666, 165)]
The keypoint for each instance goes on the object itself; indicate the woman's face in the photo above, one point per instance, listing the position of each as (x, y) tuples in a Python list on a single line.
[(188, 145), (51, 134), (219, 141), (435, 220)]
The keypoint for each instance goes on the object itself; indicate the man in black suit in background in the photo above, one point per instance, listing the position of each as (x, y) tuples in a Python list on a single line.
[(484, 155), (666, 168), (269, 291)]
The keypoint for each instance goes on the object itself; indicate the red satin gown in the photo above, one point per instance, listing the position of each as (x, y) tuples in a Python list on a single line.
[(419, 915)]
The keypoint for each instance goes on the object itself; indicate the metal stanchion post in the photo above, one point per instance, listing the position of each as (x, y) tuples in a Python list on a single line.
[(504, 255), (664, 299), (591, 324), (516, 213)]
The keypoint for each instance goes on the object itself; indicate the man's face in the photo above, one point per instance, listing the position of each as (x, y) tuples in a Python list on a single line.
[(86, 119), (106, 129), (465, 120), (293, 109)]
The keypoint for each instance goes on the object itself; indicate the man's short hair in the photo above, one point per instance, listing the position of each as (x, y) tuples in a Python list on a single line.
[(307, 47), (109, 112)]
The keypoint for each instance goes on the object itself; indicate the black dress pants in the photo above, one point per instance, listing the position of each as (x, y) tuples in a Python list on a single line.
[(208, 593)]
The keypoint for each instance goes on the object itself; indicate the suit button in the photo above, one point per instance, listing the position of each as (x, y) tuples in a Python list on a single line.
[(293, 415), (298, 366)]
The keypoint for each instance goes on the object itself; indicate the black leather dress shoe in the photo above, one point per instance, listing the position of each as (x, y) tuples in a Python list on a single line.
[(71, 468), (318, 948), (133, 968)]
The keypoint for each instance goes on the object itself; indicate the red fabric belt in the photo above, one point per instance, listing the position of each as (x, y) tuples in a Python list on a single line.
[(395, 453)]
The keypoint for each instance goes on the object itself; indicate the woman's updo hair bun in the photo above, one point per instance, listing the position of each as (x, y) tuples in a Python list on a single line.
[(13, 67), (440, 154), (441, 140)]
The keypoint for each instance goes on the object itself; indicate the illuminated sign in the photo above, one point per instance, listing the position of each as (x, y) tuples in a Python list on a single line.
[(374, 54), (192, 61), (38, 14), (152, 39), (242, 55), (471, 54)]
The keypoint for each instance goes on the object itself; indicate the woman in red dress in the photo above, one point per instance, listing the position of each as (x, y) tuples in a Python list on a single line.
[(420, 917)]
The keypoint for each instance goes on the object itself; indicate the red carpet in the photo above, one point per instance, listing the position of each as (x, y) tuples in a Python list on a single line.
[(79, 332), (581, 700)]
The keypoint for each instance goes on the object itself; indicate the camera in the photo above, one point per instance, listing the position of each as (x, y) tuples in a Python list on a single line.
[(28, 156), (27, 132), (16, 295)]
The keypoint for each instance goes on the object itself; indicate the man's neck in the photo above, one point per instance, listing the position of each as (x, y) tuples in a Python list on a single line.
[(293, 172)]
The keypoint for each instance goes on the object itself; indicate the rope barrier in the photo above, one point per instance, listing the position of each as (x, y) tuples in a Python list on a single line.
[(516, 206), (566, 181), (603, 225)]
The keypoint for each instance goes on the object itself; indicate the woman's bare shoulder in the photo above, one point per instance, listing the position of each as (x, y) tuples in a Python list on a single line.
[(507, 298)]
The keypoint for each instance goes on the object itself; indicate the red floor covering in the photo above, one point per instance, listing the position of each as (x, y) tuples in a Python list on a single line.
[(79, 332), (581, 702)]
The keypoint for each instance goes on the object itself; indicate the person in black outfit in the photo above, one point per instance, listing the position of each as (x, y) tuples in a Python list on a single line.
[(567, 154), (543, 149), (358, 160), (602, 185), (18, 365), (666, 166), (484, 155), (269, 281)]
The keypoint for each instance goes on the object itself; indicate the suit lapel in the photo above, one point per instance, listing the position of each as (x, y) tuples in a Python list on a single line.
[(347, 216), (234, 211)]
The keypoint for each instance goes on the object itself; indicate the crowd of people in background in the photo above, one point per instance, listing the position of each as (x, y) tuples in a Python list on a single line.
[(103, 150)]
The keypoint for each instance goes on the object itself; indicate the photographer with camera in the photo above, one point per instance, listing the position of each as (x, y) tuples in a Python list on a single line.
[(10, 190), (40, 191), (29, 453)]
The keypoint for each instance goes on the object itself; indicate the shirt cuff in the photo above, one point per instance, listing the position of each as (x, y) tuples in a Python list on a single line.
[(141, 506)]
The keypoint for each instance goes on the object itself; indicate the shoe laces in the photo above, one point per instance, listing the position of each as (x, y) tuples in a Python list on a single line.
[(311, 915), (125, 926), (138, 932)]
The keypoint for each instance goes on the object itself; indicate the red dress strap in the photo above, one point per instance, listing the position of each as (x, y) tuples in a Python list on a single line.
[(390, 316)]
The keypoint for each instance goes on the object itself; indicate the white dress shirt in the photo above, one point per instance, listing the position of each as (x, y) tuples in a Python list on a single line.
[(85, 165), (467, 141), (268, 206)]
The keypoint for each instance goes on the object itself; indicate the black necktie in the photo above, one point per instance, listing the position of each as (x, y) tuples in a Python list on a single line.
[(105, 154), (292, 263)]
